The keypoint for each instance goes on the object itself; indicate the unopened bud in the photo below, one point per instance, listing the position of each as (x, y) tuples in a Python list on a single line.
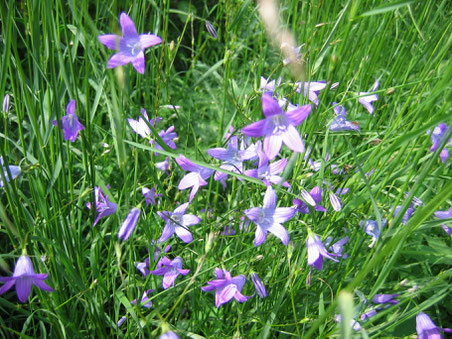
[(213, 33)]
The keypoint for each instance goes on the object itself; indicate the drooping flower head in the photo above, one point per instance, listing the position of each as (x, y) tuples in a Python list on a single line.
[(196, 178), (24, 276), (371, 228), (130, 45), (178, 222), (103, 206), (311, 90), (70, 124), (317, 251), (278, 127), (259, 286), (269, 219), (426, 328), (129, 224), (170, 269), (226, 287), (14, 170), (366, 100)]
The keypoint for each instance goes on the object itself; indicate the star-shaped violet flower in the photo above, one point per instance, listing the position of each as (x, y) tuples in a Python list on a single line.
[(103, 206), (366, 100), (226, 287), (70, 124), (311, 89), (269, 219), (130, 45), (145, 302), (170, 270), (24, 276), (317, 251), (268, 173), (278, 127), (178, 222), (196, 178), (315, 195), (140, 126), (340, 122)]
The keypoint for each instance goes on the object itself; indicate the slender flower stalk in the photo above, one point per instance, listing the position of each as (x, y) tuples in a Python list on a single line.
[(24, 276), (130, 45)]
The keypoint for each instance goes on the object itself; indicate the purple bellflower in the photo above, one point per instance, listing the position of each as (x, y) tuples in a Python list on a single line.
[(407, 214), (231, 156), (196, 178), (169, 335), (70, 124), (178, 222), (130, 45), (268, 173), (445, 215), (141, 127), (366, 100), (143, 267), (226, 287), (167, 137), (150, 195), (103, 206), (260, 288), (340, 123), (371, 228), (5, 105), (144, 299), (170, 270), (385, 299), (437, 137), (129, 224), (278, 127), (426, 328), (317, 251), (316, 195), (311, 90), (338, 246), (14, 170), (269, 86), (163, 165), (269, 219), (24, 276)]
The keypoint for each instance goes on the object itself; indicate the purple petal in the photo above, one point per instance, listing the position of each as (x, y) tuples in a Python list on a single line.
[(316, 194), (189, 180), (193, 192), (225, 295), (186, 164), (23, 288), (7, 285), (190, 219), (299, 115), (269, 198), (110, 40), (240, 297), (256, 129), (42, 285), (184, 234), (293, 140), (127, 26), (168, 231), (169, 279), (278, 166), (270, 106), (138, 63), (272, 145), (279, 231), (260, 236), (335, 202), (282, 214), (119, 59), (181, 209), (148, 40)]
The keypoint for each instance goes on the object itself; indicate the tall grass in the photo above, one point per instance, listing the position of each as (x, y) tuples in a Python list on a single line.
[(51, 55)]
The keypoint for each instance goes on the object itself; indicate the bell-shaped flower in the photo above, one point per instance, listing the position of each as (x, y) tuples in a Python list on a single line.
[(366, 100), (145, 302), (178, 222), (340, 122), (259, 286), (426, 328), (445, 215), (70, 124), (5, 106), (371, 228), (226, 287), (278, 127), (24, 276), (315, 195), (150, 195), (170, 269), (196, 178), (130, 45), (231, 156), (269, 219), (129, 224), (103, 206), (317, 251), (268, 173), (141, 127), (311, 90)]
